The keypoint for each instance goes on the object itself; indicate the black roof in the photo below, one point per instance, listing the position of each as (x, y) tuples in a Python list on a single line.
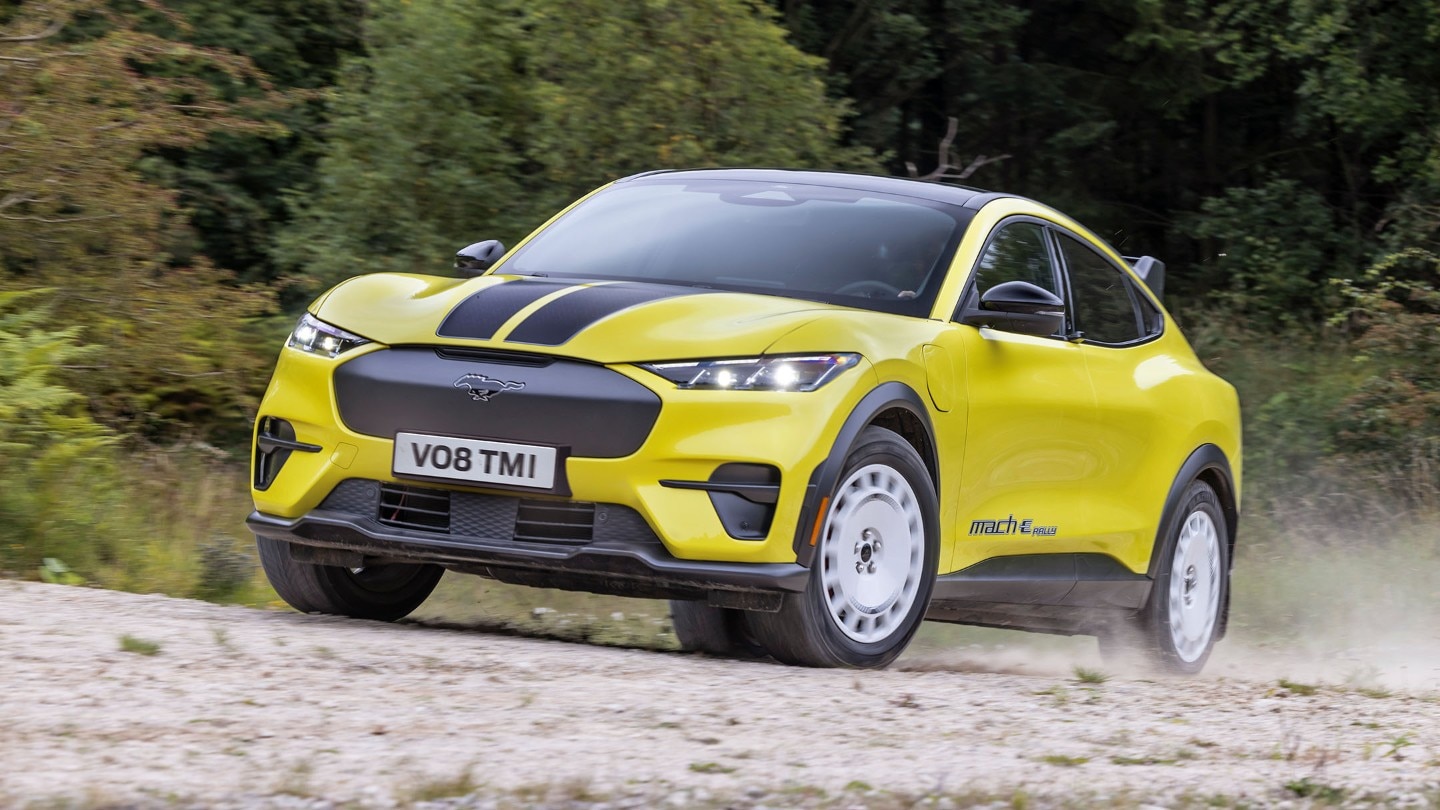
[(937, 192)]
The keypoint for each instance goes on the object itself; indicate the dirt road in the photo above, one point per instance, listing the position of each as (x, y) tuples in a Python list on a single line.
[(247, 708)]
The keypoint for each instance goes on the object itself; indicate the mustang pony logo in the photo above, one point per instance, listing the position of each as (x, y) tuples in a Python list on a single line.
[(482, 388)]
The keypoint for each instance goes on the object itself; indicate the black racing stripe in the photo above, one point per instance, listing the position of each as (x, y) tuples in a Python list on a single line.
[(486, 311), (564, 317)]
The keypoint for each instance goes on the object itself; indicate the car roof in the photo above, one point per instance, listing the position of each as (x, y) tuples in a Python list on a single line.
[(936, 192)]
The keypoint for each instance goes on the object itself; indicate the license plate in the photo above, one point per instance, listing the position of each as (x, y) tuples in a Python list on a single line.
[(474, 460)]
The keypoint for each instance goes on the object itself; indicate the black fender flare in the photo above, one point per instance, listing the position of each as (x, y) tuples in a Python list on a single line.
[(886, 396), (1206, 458)]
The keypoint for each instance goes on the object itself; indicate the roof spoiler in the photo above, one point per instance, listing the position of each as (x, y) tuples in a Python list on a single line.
[(1150, 270)]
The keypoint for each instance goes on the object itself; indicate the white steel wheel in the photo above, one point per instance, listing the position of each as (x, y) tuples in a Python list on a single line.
[(1177, 628), (873, 568), (1194, 591), (873, 553)]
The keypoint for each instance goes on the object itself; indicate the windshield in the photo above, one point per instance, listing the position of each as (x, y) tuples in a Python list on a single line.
[(837, 245)]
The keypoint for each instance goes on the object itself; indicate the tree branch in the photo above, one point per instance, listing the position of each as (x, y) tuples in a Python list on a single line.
[(64, 221), (15, 198), (46, 34), (943, 171), (951, 127)]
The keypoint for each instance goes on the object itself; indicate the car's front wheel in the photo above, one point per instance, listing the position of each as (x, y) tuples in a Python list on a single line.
[(382, 592), (1176, 630), (874, 569)]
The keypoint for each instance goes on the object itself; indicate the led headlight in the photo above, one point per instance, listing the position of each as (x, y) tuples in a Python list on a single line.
[(317, 337), (796, 373)]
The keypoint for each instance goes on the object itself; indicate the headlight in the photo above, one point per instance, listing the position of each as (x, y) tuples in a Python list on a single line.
[(317, 337), (800, 373)]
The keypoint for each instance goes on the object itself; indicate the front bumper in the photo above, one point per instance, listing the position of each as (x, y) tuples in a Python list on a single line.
[(694, 436), (623, 566)]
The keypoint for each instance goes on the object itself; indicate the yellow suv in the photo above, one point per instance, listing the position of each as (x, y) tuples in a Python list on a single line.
[(811, 409)]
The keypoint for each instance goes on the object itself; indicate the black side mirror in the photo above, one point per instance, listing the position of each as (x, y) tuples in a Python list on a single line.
[(1018, 306), (479, 257), (1151, 271)]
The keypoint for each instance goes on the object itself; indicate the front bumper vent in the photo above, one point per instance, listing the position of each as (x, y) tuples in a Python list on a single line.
[(274, 442), (490, 518), (555, 522), (415, 508)]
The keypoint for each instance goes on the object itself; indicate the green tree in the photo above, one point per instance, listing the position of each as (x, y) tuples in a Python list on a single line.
[(425, 146), (232, 183), (1161, 123), (470, 120), (85, 100)]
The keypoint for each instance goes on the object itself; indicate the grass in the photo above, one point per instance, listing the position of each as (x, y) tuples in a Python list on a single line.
[(710, 767), (150, 520), (1064, 761), (1305, 788), (139, 646), (462, 784), (1295, 688), (1091, 676)]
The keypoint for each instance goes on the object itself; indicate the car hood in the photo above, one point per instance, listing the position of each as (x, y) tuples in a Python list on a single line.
[(603, 322)]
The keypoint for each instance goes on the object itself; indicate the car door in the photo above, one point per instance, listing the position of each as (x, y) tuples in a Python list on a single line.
[(1135, 437), (1028, 462)]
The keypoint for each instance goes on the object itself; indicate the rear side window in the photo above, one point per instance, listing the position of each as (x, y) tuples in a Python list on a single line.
[(1106, 307), (1016, 252)]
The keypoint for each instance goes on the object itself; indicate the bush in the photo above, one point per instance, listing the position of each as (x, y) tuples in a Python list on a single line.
[(78, 504)]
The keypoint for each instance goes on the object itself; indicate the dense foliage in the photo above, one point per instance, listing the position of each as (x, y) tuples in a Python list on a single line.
[(181, 175)]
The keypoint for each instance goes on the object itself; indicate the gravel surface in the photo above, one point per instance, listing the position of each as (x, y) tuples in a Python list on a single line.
[(249, 708)]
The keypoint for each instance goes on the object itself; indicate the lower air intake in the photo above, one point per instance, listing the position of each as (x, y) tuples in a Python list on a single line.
[(567, 522), (415, 508)]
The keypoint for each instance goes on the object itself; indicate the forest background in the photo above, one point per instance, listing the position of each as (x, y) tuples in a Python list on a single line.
[(179, 177)]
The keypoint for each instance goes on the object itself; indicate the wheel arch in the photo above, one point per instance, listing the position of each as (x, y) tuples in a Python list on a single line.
[(891, 405), (1206, 463)]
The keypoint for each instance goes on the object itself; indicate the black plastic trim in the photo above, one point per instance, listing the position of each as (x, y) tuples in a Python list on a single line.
[(274, 442), (827, 475), (1206, 457), (1057, 619), (641, 567), (754, 493), (743, 495), (1073, 580), (269, 444)]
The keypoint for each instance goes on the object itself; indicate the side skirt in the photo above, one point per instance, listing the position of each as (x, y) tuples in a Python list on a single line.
[(1048, 593)]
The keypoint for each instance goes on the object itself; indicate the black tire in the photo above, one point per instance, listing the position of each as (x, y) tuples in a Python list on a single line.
[(1176, 630), (699, 627), (807, 630), (380, 592)]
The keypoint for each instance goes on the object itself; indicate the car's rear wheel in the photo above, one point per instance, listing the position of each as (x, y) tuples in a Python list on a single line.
[(874, 569), (382, 592), (1176, 630), (700, 627)]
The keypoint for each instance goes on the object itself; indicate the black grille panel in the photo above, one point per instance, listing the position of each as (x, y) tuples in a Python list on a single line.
[(415, 508), (491, 518), (589, 409)]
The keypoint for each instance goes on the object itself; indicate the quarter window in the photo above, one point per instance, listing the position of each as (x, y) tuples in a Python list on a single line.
[(1105, 308)]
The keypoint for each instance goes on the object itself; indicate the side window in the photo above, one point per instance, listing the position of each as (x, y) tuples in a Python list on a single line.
[(1105, 307), (1016, 252)]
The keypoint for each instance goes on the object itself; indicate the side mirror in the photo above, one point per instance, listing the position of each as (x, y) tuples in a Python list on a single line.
[(1018, 306), (1151, 271), (479, 257)]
